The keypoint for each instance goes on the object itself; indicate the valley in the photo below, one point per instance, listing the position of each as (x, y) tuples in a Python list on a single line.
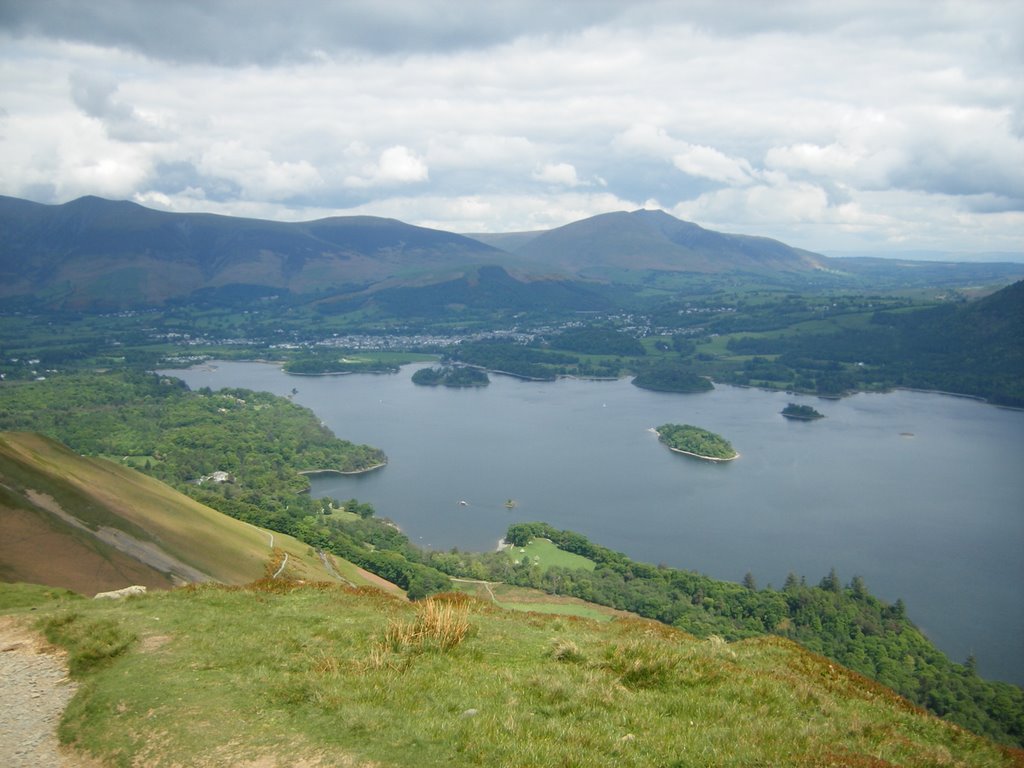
[(721, 327)]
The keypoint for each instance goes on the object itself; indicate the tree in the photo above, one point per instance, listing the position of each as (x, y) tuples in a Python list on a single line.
[(858, 588), (831, 582), (749, 583)]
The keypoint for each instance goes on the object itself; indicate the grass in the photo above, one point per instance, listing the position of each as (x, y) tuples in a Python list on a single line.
[(91, 642), (544, 554), (290, 669)]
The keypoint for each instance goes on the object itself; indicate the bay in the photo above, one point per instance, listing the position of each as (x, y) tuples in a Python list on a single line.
[(920, 494)]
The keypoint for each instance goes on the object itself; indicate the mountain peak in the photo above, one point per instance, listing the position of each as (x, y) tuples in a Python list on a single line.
[(652, 239)]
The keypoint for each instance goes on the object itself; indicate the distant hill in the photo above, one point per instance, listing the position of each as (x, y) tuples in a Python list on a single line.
[(653, 240), (96, 253), (974, 348), (490, 288), (91, 525)]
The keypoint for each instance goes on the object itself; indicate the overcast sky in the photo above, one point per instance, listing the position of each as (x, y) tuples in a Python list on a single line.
[(839, 125)]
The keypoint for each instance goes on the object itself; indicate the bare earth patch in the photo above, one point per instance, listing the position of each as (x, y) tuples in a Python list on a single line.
[(34, 690)]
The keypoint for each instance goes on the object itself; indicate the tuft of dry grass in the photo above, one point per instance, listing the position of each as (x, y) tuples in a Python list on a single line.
[(440, 625), (565, 650), (643, 663)]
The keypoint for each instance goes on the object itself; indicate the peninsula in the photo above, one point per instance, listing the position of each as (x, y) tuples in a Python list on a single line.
[(695, 441), (459, 377)]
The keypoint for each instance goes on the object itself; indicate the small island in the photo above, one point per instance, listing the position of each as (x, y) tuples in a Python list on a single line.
[(697, 442), (801, 412), (451, 376)]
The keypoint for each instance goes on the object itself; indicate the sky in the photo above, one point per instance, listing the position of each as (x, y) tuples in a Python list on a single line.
[(848, 125)]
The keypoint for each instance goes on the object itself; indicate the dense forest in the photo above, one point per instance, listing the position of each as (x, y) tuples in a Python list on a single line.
[(332, 363), (598, 340), (974, 349), (451, 376), (667, 376)]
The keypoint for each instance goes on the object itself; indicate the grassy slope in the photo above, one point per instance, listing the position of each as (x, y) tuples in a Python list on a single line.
[(327, 676), (99, 492)]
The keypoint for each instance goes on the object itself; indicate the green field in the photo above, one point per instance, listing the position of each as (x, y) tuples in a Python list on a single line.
[(544, 554)]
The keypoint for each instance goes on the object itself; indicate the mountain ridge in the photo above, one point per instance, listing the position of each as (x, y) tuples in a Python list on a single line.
[(93, 253)]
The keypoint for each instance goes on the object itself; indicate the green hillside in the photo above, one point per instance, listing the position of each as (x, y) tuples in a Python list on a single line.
[(315, 676), (91, 525), (974, 348)]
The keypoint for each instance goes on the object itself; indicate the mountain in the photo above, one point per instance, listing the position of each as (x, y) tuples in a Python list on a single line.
[(91, 525), (653, 240), (95, 253)]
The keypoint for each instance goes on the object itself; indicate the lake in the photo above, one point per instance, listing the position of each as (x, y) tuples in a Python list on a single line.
[(920, 494)]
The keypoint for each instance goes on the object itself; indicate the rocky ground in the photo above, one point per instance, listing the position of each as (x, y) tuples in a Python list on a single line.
[(34, 690)]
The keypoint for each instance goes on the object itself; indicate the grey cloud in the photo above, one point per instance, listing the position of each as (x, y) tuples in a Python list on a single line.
[(234, 32), (961, 176), (238, 32), (95, 95), (177, 177), (993, 204)]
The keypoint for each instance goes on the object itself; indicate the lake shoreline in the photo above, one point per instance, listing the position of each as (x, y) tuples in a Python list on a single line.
[(702, 457), (347, 473), (716, 459)]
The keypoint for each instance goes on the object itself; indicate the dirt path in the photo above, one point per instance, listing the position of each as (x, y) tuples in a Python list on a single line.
[(487, 586), (34, 690)]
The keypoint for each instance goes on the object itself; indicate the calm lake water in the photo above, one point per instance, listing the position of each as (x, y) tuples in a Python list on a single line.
[(920, 494)]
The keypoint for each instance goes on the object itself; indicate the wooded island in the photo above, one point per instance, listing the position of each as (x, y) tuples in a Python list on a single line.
[(801, 412), (694, 441)]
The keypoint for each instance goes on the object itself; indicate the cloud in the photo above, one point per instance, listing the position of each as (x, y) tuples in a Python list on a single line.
[(256, 173), (95, 94), (396, 165), (477, 213), (559, 174), (709, 163), (798, 120), (236, 32)]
